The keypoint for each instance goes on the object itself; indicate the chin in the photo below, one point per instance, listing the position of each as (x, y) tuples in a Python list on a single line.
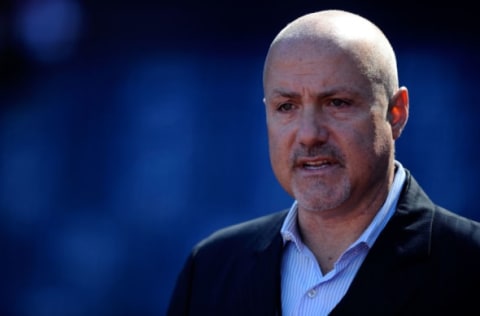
[(319, 205)]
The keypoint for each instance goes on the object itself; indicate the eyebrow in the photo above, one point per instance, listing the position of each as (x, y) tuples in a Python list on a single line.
[(285, 93), (328, 93)]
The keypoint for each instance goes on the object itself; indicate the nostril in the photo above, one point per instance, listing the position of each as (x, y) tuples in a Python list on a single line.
[(311, 133)]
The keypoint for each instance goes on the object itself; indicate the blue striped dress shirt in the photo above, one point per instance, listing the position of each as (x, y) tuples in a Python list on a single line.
[(305, 290)]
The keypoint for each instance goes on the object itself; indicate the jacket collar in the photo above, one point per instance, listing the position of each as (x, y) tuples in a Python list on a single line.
[(264, 292), (393, 269), (389, 274)]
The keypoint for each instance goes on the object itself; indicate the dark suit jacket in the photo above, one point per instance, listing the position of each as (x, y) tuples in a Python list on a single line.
[(425, 262)]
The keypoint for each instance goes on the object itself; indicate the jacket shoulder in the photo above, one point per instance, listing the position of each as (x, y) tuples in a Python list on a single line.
[(448, 230), (451, 227), (256, 233)]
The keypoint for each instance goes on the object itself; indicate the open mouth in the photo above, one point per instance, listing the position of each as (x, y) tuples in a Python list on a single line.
[(317, 164)]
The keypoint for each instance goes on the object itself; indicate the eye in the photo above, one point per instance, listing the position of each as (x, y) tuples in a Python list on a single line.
[(337, 103), (286, 107)]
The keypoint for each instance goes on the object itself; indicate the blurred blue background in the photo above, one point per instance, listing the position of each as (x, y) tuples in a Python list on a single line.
[(130, 130)]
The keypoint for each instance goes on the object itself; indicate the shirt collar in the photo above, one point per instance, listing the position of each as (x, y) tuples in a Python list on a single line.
[(290, 231)]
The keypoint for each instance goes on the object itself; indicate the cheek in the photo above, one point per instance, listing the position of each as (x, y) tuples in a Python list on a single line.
[(361, 143), (277, 146), (280, 150), (371, 134), (383, 138), (279, 137), (368, 151)]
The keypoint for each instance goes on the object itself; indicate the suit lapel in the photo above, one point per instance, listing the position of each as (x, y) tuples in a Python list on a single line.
[(395, 266), (264, 276)]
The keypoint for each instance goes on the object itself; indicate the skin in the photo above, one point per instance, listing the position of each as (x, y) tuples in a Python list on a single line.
[(334, 110)]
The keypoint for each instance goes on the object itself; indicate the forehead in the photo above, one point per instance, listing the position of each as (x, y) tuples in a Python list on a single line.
[(305, 64)]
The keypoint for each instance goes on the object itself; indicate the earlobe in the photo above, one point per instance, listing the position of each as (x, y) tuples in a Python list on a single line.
[(398, 111)]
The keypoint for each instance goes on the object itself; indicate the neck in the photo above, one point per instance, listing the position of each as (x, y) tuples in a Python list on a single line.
[(329, 233)]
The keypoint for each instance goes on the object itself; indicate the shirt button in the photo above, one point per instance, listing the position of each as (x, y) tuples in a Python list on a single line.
[(312, 293)]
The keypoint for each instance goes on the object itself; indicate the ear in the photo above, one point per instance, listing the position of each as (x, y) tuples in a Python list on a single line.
[(398, 111)]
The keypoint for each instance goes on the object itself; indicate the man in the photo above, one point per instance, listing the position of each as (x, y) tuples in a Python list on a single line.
[(362, 238)]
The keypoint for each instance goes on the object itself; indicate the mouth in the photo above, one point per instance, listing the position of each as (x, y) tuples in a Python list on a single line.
[(315, 163)]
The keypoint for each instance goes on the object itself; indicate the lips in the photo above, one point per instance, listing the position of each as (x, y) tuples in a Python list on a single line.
[(318, 158), (315, 163)]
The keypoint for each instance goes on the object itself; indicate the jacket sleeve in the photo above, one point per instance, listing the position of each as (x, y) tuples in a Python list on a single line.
[(180, 301)]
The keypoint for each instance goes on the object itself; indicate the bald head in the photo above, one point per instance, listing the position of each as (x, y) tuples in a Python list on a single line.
[(340, 31), (333, 112)]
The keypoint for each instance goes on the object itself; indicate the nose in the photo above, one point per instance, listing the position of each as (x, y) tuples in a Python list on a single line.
[(312, 129)]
